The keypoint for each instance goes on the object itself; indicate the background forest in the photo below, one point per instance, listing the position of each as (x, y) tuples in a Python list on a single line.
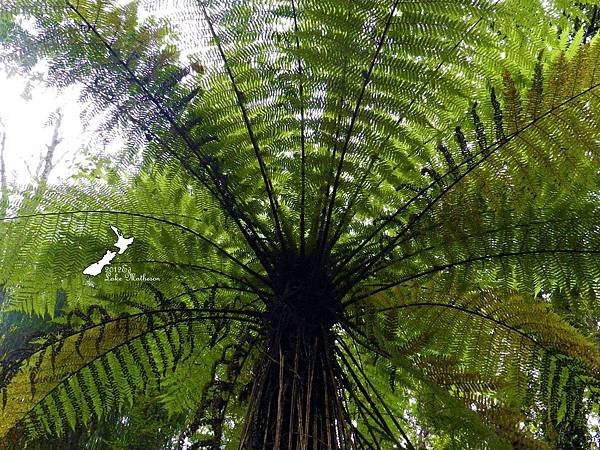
[(332, 224)]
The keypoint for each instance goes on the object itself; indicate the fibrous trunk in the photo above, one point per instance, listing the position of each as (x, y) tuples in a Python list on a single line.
[(296, 400)]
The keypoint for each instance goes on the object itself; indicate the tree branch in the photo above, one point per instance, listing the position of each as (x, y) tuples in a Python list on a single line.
[(3, 182), (48, 160)]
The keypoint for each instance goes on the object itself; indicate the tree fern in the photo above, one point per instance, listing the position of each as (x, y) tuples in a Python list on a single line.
[(356, 224)]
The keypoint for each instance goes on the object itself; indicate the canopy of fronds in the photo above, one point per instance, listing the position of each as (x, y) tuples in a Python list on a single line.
[(357, 224)]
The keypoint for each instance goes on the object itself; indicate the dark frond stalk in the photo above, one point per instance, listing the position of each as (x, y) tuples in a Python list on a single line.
[(345, 147), (187, 315), (257, 152), (469, 312), (359, 338), (302, 140), (363, 267), (167, 116), (296, 400), (386, 263), (200, 236), (224, 197), (353, 368), (350, 211), (222, 194), (410, 104), (223, 314), (322, 214), (251, 288), (467, 261)]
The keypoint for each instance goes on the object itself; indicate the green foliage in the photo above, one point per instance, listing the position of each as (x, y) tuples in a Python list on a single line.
[(373, 223)]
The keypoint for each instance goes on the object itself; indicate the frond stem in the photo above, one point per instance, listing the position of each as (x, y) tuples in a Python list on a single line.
[(241, 103), (364, 266), (146, 216), (444, 267)]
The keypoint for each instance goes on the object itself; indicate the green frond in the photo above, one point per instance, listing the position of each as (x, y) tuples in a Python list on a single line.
[(86, 373), (484, 348), (370, 223)]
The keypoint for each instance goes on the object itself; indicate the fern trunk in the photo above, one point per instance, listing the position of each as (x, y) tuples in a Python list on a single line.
[(297, 400)]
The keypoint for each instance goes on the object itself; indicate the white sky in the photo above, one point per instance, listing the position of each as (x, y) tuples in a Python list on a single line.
[(28, 131), (25, 122)]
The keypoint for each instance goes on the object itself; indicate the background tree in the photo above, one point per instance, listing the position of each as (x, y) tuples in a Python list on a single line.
[(3, 179), (353, 222)]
